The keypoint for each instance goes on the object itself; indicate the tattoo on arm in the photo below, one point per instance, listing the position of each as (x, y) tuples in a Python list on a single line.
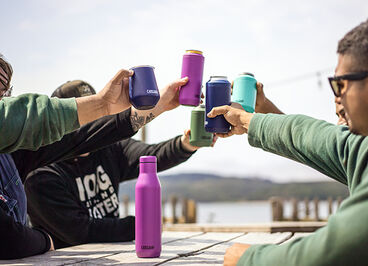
[(149, 118), (139, 121)]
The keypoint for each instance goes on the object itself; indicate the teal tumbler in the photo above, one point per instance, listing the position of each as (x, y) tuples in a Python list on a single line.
[(245, 91)]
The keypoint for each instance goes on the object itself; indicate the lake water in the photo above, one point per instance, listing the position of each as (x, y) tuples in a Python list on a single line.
[(241, 212)]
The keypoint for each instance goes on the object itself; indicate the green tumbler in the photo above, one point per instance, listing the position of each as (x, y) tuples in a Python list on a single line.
[(198, 135)]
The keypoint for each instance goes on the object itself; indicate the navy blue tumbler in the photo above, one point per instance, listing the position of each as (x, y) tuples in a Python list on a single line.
[(218, 93), (143, 91)]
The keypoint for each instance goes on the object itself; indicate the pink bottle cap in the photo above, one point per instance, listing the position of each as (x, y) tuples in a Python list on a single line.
[(148, 159)]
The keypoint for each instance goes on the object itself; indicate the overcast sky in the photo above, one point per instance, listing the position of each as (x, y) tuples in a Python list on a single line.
[(284, 43)]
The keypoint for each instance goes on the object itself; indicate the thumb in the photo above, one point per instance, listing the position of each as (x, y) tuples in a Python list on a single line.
[(221, 110), (187, 132), (179, 82), (123, 73)]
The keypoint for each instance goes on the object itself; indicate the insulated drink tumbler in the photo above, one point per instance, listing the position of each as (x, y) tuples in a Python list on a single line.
[(198, 135), (245, 91), (190, 93), (148, 209), (143, 91), (218, 93)]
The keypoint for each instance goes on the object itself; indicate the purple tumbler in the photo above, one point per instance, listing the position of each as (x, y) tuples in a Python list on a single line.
[(148, 209), (190, 93)]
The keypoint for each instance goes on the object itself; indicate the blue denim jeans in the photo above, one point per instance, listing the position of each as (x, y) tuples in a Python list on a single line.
[(12, 196)]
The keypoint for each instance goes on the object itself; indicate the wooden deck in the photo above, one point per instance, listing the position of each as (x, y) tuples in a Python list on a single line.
[(178, 248)]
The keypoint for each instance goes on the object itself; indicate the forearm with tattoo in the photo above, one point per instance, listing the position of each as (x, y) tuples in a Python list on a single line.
[(139, 120)]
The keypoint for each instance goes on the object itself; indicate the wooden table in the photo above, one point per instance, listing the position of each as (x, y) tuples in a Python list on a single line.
[(178, 248)]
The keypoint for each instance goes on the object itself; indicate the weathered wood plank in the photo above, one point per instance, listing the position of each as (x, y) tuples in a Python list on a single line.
[(81, 253), (255, 227), (215, 254), (170, 250)]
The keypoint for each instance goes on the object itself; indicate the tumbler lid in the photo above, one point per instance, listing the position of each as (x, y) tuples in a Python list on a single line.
[(192, 51), (147, 159), (218, 77), (246, 73), (200, 107), (141, 66)]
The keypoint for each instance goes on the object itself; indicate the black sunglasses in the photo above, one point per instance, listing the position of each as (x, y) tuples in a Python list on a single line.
[(337, 85)]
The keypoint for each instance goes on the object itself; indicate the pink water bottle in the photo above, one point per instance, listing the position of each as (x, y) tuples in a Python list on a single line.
[(190, 93), (148, 209)]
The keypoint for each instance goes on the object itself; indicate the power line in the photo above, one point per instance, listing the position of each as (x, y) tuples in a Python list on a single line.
[(317, 74)]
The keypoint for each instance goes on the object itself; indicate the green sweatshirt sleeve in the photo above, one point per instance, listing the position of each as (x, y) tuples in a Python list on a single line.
[(313, 142), (336, 152), (30, 121)]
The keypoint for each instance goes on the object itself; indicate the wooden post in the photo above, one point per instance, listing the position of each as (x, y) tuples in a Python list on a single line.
[(191, 211), (339, 200), (163, 203), (184, 210), (126, 205), (306, 204), (174, 200), (316, 208), (143, 134), (330, 203), (294, 215), (277, 209)]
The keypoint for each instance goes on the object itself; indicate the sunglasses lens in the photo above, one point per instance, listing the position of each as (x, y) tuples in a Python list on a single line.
[(335, 86)]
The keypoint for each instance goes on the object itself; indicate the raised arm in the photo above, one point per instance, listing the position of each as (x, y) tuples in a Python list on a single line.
[(90, 137), (30, 121), (169, 154)]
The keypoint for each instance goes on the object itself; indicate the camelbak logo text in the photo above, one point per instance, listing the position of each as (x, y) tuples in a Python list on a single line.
[(147, 247), (152, 91)]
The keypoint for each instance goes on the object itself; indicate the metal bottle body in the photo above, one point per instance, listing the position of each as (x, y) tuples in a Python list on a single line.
[(245, 91), (143, 91), (198, 135), (192, 67), (218, 93), (148, 219)]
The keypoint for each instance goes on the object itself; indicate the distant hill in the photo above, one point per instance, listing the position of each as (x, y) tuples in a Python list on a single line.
[(203, 187)]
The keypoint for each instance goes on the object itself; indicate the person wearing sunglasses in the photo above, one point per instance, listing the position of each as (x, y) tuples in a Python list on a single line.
[(338, 152)]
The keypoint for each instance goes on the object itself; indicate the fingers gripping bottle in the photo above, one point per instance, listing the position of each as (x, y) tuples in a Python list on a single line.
[(148, 209)]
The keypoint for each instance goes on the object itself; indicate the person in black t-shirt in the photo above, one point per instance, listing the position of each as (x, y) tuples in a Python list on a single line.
[(76, 200), (19, 240)]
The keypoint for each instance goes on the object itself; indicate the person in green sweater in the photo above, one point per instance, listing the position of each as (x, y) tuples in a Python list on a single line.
[(339, 152), (30, 121)]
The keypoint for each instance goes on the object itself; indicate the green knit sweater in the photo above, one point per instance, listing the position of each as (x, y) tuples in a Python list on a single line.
[(30, 121), (336, 152)]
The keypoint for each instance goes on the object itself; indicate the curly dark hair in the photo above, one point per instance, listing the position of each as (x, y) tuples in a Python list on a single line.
[(355, 44), (6, 67)]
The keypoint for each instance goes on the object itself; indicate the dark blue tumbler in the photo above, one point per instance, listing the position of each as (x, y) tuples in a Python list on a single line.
[(218, 93), (143, 91)]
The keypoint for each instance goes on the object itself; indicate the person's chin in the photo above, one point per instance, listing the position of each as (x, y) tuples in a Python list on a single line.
[(358, 131)]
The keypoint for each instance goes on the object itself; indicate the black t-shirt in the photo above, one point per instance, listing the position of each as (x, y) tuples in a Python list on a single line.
[(18, 240), (76, 201)]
